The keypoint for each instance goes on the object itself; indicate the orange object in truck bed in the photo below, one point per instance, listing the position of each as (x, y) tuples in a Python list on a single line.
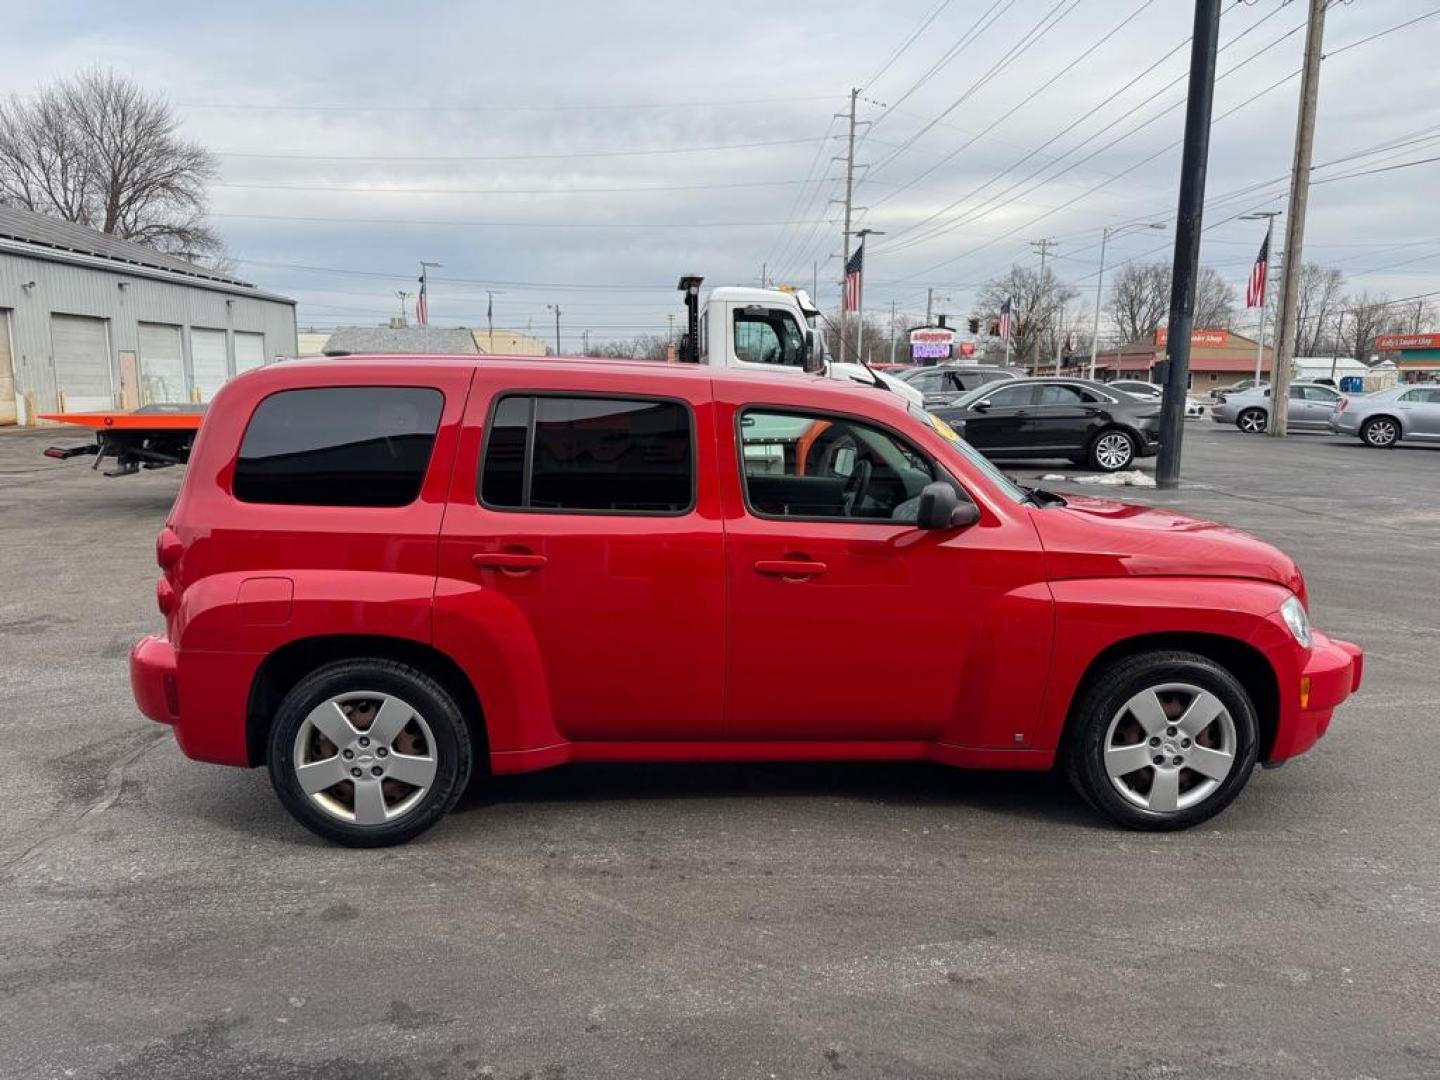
[(131, 421)]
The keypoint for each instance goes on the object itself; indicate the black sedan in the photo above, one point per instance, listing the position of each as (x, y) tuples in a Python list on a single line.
[(1057, 418)]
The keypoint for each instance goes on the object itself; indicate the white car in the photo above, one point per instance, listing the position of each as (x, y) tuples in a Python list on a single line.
[(1194, 407)]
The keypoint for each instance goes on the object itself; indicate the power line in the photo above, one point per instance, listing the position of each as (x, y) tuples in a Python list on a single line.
[(971, 35), (240, 106), (514, 224), (370, 189), (289, 156), (899, 50)]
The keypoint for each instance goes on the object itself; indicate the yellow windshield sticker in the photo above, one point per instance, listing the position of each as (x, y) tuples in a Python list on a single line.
[(943, 428)]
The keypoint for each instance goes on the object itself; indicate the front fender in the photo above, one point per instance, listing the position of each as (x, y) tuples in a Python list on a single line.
[(1093, 615)]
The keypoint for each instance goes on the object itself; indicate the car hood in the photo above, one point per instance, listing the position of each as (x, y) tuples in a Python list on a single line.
[(1090, 538)]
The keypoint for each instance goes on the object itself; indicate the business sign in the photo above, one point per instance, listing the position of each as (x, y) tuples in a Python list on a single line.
[(1391, 342), (931, 343), (1199, 339)]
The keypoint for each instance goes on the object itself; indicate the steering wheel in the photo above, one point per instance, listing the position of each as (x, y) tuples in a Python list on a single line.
[(856, 487)]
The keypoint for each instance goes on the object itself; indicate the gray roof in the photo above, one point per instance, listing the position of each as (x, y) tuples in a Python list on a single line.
[(42, 231), (402, 341)]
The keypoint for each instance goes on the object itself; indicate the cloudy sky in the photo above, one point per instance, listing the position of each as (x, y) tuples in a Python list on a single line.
[(586, 154)]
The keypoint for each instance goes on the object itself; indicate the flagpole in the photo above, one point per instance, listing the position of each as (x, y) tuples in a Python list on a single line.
[(860, 294), (1269, 216)]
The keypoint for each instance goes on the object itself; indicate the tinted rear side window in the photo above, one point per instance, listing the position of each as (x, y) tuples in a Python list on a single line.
[(586, 454), (339, 446)]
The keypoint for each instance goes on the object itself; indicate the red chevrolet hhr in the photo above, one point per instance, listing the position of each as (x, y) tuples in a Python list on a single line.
[(384, 574)]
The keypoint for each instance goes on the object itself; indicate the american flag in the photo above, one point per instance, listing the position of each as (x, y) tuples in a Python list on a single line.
[(422, 306), (1005, 318), (1255, 290), (854, 271)]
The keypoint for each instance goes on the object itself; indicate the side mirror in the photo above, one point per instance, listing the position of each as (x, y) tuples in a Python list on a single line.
[(813, 359), (941, 508), (980, 406)]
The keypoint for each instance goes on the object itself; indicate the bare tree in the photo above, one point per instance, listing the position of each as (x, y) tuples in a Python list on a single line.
[(95, 149), (1318, 301), (1140, 300), (1412, 317), (1035, 307), (1366, 317)]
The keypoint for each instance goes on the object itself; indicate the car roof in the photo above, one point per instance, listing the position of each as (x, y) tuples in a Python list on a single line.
[(302, 371)]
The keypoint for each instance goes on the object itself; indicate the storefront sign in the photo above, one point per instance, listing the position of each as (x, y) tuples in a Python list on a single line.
[(1199, 339), (931, 343), (1391, 342)]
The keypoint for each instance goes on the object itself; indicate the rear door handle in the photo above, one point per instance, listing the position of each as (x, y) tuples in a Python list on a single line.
[(518, 561), (790, 568)]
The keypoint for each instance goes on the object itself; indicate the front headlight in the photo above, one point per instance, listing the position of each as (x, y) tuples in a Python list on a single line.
[(1297, 619)]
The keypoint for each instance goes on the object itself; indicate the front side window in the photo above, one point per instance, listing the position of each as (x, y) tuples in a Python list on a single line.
[(339, 446), (768, 336), (828, 467), (1012, 396), (571, 454)]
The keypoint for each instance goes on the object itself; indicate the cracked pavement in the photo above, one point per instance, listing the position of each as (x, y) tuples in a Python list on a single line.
[(162, 919)]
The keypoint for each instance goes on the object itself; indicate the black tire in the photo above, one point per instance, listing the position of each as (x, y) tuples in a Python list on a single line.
[(1104, 456), (1256, 418), (449, 745), (1104, 700), (1381, 432)]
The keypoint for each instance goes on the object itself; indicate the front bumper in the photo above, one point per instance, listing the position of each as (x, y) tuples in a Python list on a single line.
[(153, 679), (1331, 673)]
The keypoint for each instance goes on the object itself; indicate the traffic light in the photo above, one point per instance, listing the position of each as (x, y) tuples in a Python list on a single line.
[(974, 326)]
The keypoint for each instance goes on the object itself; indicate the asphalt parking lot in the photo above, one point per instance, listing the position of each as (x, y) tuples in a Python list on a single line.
[(165, 919)]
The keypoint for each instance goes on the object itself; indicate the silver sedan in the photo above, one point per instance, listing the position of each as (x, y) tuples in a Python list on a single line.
[(1385, 417), (1310, 407)]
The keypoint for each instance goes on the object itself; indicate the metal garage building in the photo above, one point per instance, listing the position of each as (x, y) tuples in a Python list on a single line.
[(91, 322)]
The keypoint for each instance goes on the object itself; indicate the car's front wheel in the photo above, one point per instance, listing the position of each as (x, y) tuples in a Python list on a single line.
[(1112, 450), (1162, 740), (1380, 432), (1252, 421), (369, 752)]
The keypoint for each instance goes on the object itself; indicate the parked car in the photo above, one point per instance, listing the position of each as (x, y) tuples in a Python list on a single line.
[(1148, 391), (1385, 417), (1238, 387), (384, 574), (1082, 421), (1310, 406), (942, 384)]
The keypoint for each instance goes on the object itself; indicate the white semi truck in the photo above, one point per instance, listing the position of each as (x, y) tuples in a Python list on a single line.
[(773, 330)]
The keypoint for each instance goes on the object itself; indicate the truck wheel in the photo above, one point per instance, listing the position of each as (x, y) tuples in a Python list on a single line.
[(1380, 432), (1252, 421), (369, 752), (1162, 740), (1112, 451)]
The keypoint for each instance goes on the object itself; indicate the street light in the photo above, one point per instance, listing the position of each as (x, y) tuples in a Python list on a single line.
[(1105, 234)]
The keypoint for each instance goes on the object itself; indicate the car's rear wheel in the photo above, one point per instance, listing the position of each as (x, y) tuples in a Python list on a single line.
[(1162, 740), (369, 752), (1252, 421), (1112, 450), (1380, 432)]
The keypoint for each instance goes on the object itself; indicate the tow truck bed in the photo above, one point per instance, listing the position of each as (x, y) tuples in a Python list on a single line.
[(152, 437)]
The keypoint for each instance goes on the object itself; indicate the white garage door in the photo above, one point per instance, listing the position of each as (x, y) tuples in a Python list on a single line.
[(7, 373), (207, 361), (249, 351), (81, 350), (162, 364)]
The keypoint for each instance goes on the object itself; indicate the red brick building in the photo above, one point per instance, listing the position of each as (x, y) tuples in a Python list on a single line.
[(1218, 358)]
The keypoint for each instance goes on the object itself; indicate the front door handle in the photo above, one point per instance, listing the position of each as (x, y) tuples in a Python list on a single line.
[(514, 561), (790, 568)]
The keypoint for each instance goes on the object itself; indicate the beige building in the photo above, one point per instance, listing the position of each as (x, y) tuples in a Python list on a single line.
[(507, 343)]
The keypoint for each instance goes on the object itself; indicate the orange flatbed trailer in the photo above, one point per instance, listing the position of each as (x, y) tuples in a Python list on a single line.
[(152, 437)]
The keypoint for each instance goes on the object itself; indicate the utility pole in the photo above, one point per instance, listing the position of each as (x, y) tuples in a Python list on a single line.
[(403, 295), (556, 308), (1295, 224), (1042, 246), (1185, 269), (1105, 234), (585, 342), (670, 325), (849, 200), (1269, 216), (490, 295), (860, 298), (1335, 345)]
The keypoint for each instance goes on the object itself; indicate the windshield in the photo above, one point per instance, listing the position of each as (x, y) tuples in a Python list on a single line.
[(968, 453)]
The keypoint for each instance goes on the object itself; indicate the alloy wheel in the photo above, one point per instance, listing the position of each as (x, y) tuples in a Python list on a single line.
[(364, 757), (1170, 747), (1381, 431), (1114, 451), (1252, 421)]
